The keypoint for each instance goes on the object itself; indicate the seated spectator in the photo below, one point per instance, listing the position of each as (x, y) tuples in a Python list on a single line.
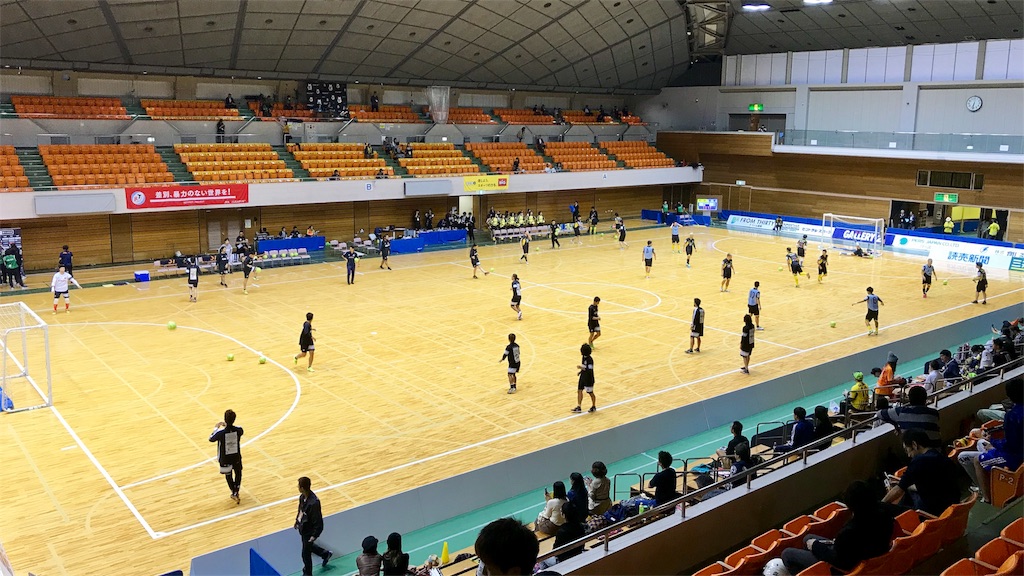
[(586, 110), (933, 380), (283, 233), (577, 496), (310, 232), (335, 176), (1002, 351), (737, 439), (295, 232), (1005, 453), (396, 562), (240, 238), (740, 463), (932, 475), (229, 102), (858, 399), (289, 104), (915, 415), (598, 489), (950, 367), (664, 482), (381, 175), (540, 143), (515, 165), (367, 151), (550, 518), (369, 563), (867, 534), (507, 547), (973, 363), (823, 423), (802, 434), (886, 374)]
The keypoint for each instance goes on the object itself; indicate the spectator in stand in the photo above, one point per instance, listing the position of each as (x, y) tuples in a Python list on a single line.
[(866, 535), (229, 102), (664, 482), (822, 423), (374, 103), (575, 512), (396, 562), (737, 439), (586, 110), (289, 103), (930, 472), (310, 231), (598, 489), (1005, 453), (507, 547), (335, 176), (369, 563), (884, 386), (367, 151), (282, 234), (916, 415), (740, 464), (515, 165), (220, 130), (381, 175), (295, 232), (536, 110), (1002, 351), (802, 433), (931, 381), (858, 399), (550, 518), (950, 367)]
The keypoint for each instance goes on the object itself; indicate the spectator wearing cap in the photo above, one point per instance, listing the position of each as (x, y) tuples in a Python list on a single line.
[(858, 398), (915, 415), (950, 367), (884, 386), (930, 472), (369, 563), (1006, 453)]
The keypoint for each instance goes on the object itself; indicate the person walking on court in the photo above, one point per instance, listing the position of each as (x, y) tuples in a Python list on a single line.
[(65, 259), (927, 273), (746, 343), (517, 296), (980, 288), (474, 260), (622, 233), (754, 304), (554, 234), (309, 521), (385, 251), (594, 322), (793, 261), (192, 270), (649, 258), (696, 326), (586, 379), (872, 315), (229, 452), (691, 245), (248, 266), (512, 355), (222, 264), (727, 270), (307, 342), (525, 243), (12, 262), (675, 236), (59, 285), (350, 257), (822, 266)]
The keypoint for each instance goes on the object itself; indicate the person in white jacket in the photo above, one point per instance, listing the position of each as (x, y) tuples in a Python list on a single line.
[(551, 518), (59, 285)]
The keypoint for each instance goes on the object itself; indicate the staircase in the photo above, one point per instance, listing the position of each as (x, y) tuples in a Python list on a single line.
[(290, 162), (399, 171), (7, 110), (246, 113), (36, 172), (134, 110), (484, 168), (174, 165)]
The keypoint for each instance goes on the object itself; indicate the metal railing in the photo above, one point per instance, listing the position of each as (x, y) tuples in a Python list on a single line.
[(926, 141)]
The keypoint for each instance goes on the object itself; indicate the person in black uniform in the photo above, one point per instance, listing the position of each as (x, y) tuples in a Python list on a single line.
[(593, 220), (306, 342), (229, 451), (747, 342), (525, 243), (822, 266), (309, 521), (65, 259), (517, 296), (696, 326), (248, 265), (727, 270), (691, 245), (586, 380), (222, 265), (192, 269), (512, 355), (350, 257), (554, 234), (385, 251), (622, 234), (778, 225), (981, 285), (594, 322), (474, 260), (471, 228)]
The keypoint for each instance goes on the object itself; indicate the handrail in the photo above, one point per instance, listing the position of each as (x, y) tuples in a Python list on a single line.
[(680, 503)]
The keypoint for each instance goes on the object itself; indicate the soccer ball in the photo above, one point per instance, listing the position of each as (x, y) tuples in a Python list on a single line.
[(775, 568), (231, 357), (492, 268), (945, 282), (780, 268), (172, 325), (832, 324), (263, 359)]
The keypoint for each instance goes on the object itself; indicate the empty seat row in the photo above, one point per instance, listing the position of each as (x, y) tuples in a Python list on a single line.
[(382, 108), (227, 156), (1001, 555), (125, 168), (621, 144), (14, 183), (567, 145), (193, 113), (326, 147), (421, 153), (330, 154), (405, 162), (399, 117), (589, 165), (111, 179), (55, 159), (248, 147), (581, 118), (241, 175), (97, 149), (235, 165), (185, 104), (347, 172), (431, 146), (343, 163), (65, 112), (14, 170), (441, 170), (649, 162), (473, 146), (65, 101)]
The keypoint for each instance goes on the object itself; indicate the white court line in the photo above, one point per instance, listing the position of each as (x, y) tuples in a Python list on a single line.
[(534, 428), (295, 401)]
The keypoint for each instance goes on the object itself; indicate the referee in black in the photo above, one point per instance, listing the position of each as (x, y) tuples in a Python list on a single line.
[(310, 523)]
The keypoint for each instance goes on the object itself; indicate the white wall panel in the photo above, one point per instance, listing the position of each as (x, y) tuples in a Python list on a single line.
[(876, 66), (126, 87), (26, 84), (1015, 66), (833, 67), (816, 68), (997, 57), (483, 100), (801, 61), (945, 111), (763, 70), (780, 62), (218, 90), (862, 110), (921, 63), (731, 63), (895, 63), (944, 62), (857, 66), (966, 64), (748, 70)]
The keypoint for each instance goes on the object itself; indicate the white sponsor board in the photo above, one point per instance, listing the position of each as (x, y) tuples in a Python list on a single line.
[(769, 224), (959, 255)]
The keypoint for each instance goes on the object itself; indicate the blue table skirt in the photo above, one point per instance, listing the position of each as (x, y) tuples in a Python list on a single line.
[(409, 245), (309, 243)]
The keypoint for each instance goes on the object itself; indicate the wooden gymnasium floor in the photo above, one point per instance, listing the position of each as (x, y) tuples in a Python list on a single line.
[(408, 387)]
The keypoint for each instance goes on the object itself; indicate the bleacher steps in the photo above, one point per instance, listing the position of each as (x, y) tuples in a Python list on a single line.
[(35, 170), (175, 165), (290, 162)]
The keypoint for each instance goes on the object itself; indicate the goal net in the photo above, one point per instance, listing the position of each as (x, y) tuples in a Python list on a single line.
[(845, 233), (24, 359)]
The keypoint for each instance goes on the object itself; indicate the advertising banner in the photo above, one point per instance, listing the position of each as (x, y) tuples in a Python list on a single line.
[(484, 183), (954, 253), (768, 224), (176, 196)]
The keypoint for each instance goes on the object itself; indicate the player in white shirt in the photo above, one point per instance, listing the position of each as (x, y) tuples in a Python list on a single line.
[(59, 285)]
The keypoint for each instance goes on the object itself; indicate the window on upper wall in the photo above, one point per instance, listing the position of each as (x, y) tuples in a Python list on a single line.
[(946, 179)]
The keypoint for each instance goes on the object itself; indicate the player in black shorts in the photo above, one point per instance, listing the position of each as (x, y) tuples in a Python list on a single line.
[(554, 234), (517, 297), (229, 451), (778, 225), (192, 269), (691, 245), (385, 251), (248, 266), (696, 326), (793, 261), (222, 265), (594, 322), (801, 246), (576, 226), (622, 234), (525, 243), (822, 265), (474, 260), (927, 272), (586, 381), (306, 342), (512, 354), (981, 281), (727, 270)]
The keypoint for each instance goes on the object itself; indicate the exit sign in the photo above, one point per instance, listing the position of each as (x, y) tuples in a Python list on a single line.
[(756, 108), (947, 197)]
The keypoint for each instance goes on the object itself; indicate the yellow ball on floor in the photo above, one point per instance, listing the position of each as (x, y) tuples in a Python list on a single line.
[(231, 357), (945, 282), (832, 324)]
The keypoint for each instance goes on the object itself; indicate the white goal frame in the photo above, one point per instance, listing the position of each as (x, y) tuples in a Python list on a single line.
[(868, 232), (18, 326)]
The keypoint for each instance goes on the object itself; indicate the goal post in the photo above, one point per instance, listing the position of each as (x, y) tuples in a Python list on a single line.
[(25, 380), (845, 233)]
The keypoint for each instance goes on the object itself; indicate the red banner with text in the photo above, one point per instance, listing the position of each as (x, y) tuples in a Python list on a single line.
[(176, 196)]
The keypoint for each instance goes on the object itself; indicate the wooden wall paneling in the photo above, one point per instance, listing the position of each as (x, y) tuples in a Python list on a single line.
[(626, 201), (1014, 227), (41, 240), (334, 221), (513, 202), (692, 146), (555, 204), (814, 205), (90, 236), (121, 238), (400, 212), (159, 234)]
